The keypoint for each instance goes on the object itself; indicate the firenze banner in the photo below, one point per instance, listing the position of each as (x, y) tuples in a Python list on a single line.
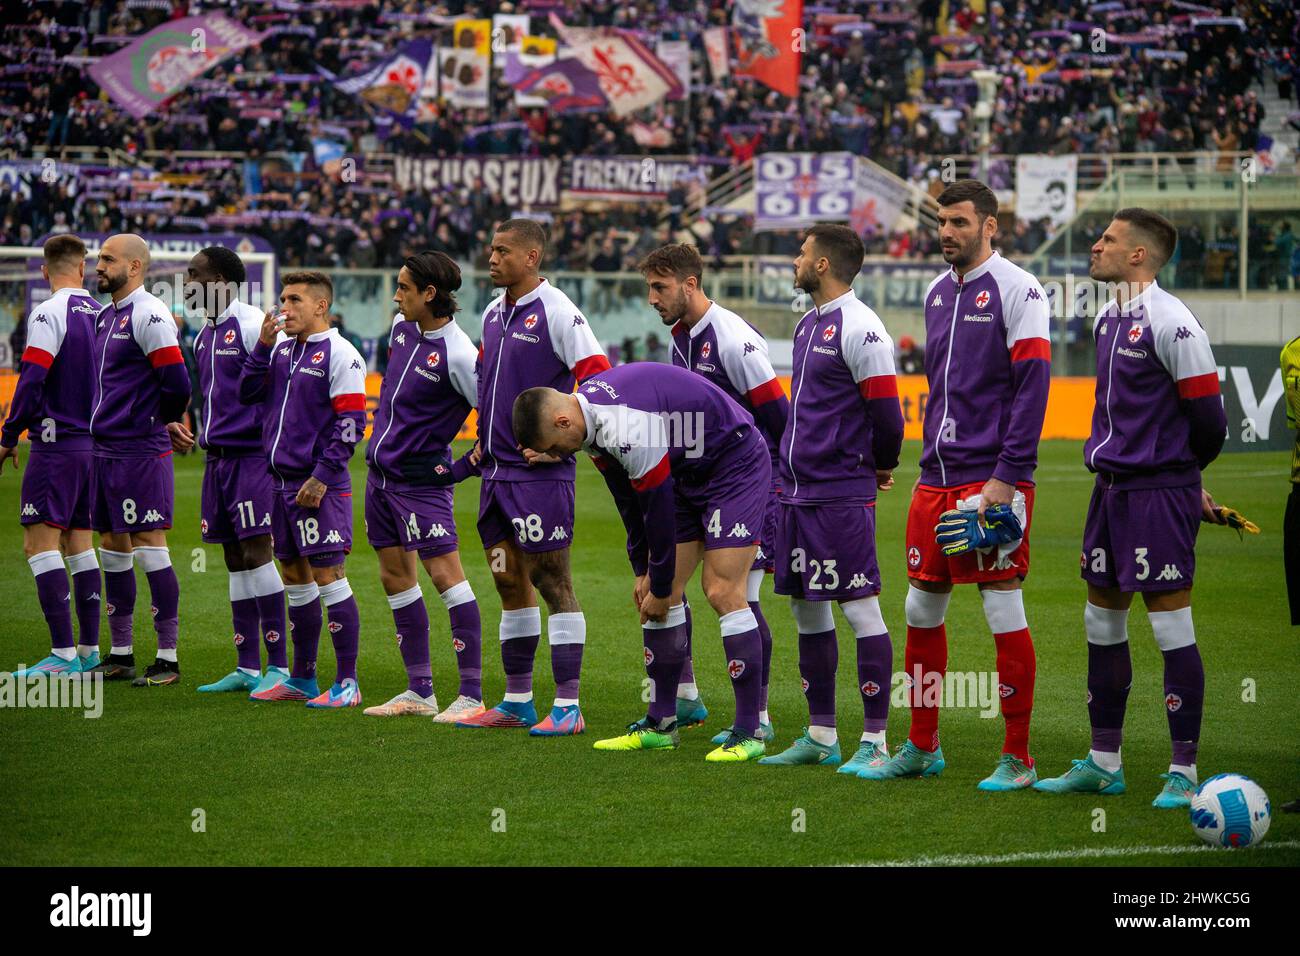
[(519, 180), (623, 178), (1045, 188), (156, 66)]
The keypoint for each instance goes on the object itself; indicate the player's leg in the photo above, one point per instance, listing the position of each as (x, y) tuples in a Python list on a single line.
[(304, 611), (244, 621), (78, 546), (266, 589), (397, 574), (764, 564), (106, 518), (566, 632), (690, 528), (448, 577), (344, 619), (1170, 613), (154, 558), (875, 657), (41, 545), (1004, 609), (723, 581)]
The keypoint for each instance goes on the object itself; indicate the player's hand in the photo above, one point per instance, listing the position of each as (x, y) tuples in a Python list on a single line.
[(916, 484), (654, 608), (640, 590), (884, 479), (8, 454), (538, 457), (1210, 510), (272, 325), (995, 492), (182, 438), (311, 493), (476, 454)]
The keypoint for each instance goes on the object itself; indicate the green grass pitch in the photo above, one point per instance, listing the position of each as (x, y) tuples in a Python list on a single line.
[(279, 784)]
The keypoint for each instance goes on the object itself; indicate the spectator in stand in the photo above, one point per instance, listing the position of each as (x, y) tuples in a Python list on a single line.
[(911, 357)]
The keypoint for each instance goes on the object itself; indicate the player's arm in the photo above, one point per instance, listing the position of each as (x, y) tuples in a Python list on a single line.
[(751, 374), (155, 334), (45, 334), (1184, 350), (348, 399), (629, 509), (1028, 321), (869, 355), (643, 453), (255, 376), (575, 345), (438, 469)]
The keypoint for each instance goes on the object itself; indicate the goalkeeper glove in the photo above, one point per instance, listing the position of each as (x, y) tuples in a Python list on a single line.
[(959, 532), (1236, 520)]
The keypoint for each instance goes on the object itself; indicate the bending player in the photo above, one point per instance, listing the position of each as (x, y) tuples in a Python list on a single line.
[(840, 447), (312, 391), (52, 403), (533, 335), (1157, 424), (235, 510), (988, 365), (140, 385), (671, 444), (721, 346), (428, 391)]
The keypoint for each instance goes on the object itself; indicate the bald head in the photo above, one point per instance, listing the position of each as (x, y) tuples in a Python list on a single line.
[(123, 264)]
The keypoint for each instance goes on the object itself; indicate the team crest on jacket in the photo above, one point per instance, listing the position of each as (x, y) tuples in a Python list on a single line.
[(982, 299), (433, 360), (229, 337), (1135, 332), (828, 333), (706, 350), (318, 357), (123, 321), (530, 322)]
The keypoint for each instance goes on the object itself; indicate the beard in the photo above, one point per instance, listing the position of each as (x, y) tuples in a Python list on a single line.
[(963, 256), (111, 284), (674, 311), (808, 281)]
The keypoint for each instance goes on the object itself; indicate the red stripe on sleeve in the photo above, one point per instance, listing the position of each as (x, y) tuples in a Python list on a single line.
[(37, 356), (767, 392), (1198, 386), (879, 386), (167, 355), (654, 477), (1031, 349), (599, 461), (349, 402), (591, 365)]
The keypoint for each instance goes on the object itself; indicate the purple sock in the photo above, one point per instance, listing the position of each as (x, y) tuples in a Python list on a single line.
[(665, 653), (819, 656), (1110, 674), (270, 615), (764, 635), (412, 623), (688, 665), (119, 596), (875, 664), (243, 612), (345, 629), (566, 668), (1184, 700), (165, 595), (517, 655), (744, 651), (467, 642), (304, 627), (85, 591), (56, 603)]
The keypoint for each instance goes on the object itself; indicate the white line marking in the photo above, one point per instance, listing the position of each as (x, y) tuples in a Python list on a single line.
[(1048, 856)]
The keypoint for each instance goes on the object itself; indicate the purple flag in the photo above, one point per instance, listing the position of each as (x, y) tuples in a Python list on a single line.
[(567, 84)]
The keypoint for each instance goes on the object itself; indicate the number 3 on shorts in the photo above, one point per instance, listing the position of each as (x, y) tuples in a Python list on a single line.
[(529, 529)]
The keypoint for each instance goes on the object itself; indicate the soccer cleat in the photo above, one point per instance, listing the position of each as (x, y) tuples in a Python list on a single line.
[(737, 748), (345, 694), (462, 708), (288, 688), (1176, 794), (54, 664), (691, 713), (159, 674), (1011, 773), (644, 735), (870, 754), (560, 722), (273, 676), (235, 680), (508, 713), (87, 664), (805, 752), (765, 733), (406, 704), (1084, 776), (908, 761), (115, 667)]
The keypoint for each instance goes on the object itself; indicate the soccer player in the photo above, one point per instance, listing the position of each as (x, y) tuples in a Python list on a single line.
[(720, 345), (988, 364), (429, 388), (671, 444), (1157, 424), (140, 385), (533, 335), (52, 402), (311, 389), (235, 509), (839, 448)]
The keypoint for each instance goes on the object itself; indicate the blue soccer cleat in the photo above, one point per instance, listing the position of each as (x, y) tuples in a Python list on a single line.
[(343, 694), (1084, 776), (908, 761), (1176, 794), (1011, 773), (236, 680), (88, 663), (54, 664), (691, 713), (870, 754), (508, 714), (805, 752), (287, 688), (272, 677), (560, 722)]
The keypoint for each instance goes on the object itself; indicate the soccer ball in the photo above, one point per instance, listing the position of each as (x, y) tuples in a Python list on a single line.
[(1231, 810)]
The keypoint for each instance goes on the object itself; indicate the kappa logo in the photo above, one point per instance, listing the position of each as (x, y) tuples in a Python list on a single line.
[(828, 333), (457, 644), (1173, 702), (401, 338), (273, 637), (530, 322), (870, 689), (872, 339), (706, 350), (356, 365), (333, 537), (1182, 333), (318, 357), (982, 299), (738, 530), (1005, 691), (1170, 573), (749, 347), (29, 510), (1104, 327), (735, 668), (1032, 295), (433, 359), (239, 640), (152, 515), (559, 534), (266, 520), (229, 337), (913, 558), (859, 581), (285, 350), (649, 657), (155, 320), (436, 531), (1135, 332), (579, 320), (201, 346), (42, 319), (936, 301), (335, 627)]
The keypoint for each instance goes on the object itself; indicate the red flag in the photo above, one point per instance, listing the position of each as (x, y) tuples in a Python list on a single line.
[(769, 41)]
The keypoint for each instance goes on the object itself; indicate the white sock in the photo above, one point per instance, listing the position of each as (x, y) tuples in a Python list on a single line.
[(764, 717), (873, 737), (250, 671), (85, 650), (1186, 771), (565, 701), (64, 653), (167, 654), (688, 692), (518, 698), (1105, 760), (825, 736)]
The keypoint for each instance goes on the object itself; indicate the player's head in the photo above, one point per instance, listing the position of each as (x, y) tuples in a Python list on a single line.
[(425, 285), (830, 257), (548, 421), (517, 249), (213, 278), (672, 275), (65, 261), (1135, 246), (305, 300), (968, 221), (123, 264)]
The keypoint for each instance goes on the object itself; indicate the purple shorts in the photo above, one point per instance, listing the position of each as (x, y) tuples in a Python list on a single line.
[(1141, 539), (765, 560), (131, 494), (317, 533), (56, 489), (417, 519), (826, 551), (728, 508), (538, 515), (236, 501)]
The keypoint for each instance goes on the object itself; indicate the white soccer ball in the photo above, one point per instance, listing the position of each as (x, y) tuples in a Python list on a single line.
[(1231, 810)]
